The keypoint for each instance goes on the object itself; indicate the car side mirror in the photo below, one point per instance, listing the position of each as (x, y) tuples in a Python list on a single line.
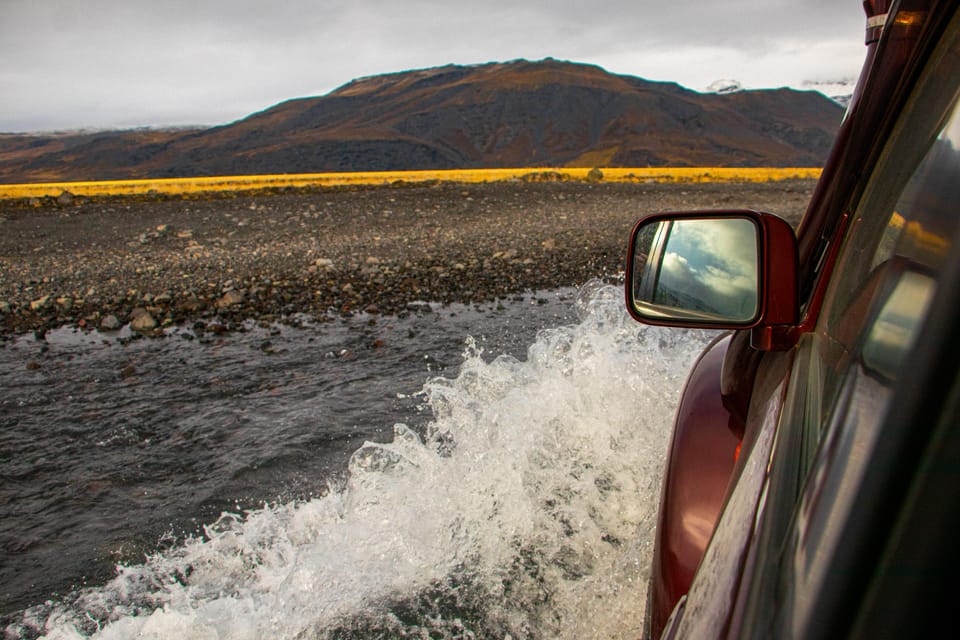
[(713, 269)]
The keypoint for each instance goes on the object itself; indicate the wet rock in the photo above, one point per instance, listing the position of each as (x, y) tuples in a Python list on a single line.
[(141, 320), (110, 322), (419, 306), (574, 565)]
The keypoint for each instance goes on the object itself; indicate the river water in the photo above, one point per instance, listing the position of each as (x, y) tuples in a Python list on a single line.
[(463, 472)]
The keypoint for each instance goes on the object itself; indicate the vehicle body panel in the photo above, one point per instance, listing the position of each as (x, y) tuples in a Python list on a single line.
[(702, 455)]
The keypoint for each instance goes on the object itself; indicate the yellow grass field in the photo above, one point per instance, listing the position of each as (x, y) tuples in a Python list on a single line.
[(251, 183)]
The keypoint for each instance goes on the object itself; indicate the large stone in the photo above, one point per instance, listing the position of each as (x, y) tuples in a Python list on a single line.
[(110, 323), (142, 320)]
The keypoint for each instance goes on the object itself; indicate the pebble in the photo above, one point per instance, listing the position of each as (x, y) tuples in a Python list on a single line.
[(40, 303), (229, 299)]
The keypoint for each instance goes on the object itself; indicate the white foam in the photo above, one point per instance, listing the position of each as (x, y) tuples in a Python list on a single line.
[(525, 511)]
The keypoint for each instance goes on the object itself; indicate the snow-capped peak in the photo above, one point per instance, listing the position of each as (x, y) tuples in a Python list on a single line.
[(839, 90), (724, 86)]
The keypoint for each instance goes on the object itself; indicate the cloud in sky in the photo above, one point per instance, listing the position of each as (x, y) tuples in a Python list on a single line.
[(121, 63)]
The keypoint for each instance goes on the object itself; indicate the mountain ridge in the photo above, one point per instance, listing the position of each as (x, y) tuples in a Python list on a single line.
[(500, 114)]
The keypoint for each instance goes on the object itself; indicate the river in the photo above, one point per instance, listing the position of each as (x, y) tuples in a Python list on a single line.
[(482, 471)]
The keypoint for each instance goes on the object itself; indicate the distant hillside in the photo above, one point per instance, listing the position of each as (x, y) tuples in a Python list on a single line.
[(514, 114)]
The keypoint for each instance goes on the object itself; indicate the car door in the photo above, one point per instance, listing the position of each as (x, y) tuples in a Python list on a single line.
[(816, 537), (848, 453)]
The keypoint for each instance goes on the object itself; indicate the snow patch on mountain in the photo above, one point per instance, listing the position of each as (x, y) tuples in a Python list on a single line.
[(839, 90), (724, 86)]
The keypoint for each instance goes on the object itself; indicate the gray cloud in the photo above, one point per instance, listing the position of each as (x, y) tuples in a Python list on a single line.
[(102, 63)]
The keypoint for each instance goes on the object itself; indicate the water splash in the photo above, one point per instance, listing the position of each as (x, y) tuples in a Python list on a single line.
[(523, 509)]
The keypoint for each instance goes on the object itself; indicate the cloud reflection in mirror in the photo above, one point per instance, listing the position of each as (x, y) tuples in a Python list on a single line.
[(704, 268)]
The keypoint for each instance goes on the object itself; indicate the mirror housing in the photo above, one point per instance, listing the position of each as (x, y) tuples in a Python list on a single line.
[(727, 269)]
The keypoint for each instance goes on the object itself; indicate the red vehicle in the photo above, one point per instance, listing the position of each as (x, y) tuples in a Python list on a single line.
[(812, 488)]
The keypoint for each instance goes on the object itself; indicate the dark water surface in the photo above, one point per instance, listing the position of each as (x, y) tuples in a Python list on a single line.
[(196, 485)]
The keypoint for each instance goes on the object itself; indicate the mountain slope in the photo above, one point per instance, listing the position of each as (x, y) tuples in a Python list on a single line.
[(546, 113)]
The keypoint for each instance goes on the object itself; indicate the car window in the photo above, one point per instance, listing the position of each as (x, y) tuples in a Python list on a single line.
[(885, 276), (873, 316), (889, 265), (845, 372)]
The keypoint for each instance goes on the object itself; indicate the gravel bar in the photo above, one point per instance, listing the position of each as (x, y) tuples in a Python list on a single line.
[(216, 261)]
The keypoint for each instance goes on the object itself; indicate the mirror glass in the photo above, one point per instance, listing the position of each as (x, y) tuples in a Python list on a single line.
[(696, 269)]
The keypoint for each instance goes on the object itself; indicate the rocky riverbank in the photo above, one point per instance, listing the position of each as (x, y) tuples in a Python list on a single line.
[(216, 261)]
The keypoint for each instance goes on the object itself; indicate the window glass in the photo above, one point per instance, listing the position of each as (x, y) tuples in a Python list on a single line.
[(873, 315), (889, 266), (897, 242)]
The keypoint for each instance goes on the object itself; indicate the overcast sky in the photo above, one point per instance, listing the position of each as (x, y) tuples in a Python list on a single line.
[(68, 64)]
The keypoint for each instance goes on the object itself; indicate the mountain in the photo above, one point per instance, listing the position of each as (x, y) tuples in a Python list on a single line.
[(513, 114), (840, 91)]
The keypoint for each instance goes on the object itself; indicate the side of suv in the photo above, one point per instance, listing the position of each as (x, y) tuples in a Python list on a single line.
[(812, 487)]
